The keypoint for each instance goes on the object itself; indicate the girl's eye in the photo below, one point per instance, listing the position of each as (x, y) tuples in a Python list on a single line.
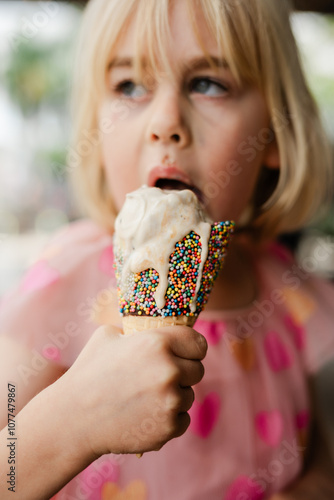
[(207, 86), (128, 88)]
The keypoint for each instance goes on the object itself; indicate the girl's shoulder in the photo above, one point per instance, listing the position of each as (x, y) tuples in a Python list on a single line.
[(59, 297)]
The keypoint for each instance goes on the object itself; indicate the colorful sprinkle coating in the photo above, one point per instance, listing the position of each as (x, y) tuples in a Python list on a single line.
[(138, 297)]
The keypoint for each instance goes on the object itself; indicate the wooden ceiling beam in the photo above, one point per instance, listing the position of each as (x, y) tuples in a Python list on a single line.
[(324, 6)]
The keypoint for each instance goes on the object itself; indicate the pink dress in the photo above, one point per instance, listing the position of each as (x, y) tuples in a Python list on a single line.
[(251, 415)]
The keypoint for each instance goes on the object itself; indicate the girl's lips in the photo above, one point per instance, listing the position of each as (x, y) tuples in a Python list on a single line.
[(167, 172)]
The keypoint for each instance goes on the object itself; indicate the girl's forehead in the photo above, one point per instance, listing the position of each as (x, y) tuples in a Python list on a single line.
[(187, 37)]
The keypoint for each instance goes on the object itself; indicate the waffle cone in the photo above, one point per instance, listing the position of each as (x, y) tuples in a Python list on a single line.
[(138, 323)]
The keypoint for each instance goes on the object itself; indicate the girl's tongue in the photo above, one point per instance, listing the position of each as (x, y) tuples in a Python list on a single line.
[(176, 185), (172, 184)]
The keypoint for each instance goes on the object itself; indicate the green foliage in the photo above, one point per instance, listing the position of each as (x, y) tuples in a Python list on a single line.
[(326, 225), (37, 73)]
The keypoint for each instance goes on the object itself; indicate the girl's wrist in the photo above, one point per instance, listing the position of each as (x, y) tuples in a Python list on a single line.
[(73, 421), (63, 427)]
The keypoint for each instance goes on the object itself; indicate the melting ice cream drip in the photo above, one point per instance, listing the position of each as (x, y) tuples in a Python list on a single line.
[(148, 227)]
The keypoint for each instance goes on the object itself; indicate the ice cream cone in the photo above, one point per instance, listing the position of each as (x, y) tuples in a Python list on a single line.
[(138, 323)]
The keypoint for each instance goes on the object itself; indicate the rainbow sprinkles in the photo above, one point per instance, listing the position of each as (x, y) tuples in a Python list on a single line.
[(165, 273)]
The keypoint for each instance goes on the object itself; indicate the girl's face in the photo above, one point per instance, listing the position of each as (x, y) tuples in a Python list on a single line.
[(196, 129)]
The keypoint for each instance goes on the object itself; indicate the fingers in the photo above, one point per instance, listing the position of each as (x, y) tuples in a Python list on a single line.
[(187, 399), (183, 341), (190, 372), (187, 343), (183, 424)]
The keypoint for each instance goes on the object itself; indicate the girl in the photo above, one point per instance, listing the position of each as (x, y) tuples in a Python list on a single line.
[(206, 95)]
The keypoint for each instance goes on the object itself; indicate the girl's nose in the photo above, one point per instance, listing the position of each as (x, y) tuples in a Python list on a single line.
[(168, 122)]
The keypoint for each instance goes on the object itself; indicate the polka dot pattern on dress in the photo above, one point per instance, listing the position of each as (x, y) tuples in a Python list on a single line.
[(97, 475), (278, 355), (136, 490), (244, 488), (244, 352), (204, 415), (269, 426), (52, 353), (297, 332), (213, 332)]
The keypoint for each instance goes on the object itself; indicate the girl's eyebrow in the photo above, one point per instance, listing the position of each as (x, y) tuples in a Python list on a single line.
[(195, 63), (121, 62), (202, 62)]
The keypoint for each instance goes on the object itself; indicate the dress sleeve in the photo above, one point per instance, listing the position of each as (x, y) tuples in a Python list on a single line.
[(64, 296)]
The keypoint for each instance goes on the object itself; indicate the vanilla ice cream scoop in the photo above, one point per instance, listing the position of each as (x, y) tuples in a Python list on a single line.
[(168, 253)]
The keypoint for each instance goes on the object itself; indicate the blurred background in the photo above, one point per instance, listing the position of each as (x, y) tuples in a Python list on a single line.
[(37, 42)]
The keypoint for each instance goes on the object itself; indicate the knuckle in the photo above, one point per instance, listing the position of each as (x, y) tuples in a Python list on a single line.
[(104, 332), (167, 379), (98, 333), (156, 341), (174, 375), (169, 429), (169, 374), (173, 401)]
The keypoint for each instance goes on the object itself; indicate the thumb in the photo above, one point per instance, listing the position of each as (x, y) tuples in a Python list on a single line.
[(109, 331), (112, 329)]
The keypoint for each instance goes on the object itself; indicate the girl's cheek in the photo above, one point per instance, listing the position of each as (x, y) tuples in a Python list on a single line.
[(120, 109), (113, 114)]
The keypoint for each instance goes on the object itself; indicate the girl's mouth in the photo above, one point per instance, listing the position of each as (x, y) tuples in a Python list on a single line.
[(172, 184), (173, 178), (177, 185)]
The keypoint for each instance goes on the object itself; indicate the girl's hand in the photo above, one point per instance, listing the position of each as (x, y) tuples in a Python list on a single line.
[(131, 393)]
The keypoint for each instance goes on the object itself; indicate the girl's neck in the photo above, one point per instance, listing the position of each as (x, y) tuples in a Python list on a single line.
[(236, 285)]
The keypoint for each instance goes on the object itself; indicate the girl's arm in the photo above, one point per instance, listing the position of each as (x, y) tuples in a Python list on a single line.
[(42, 451), (28, 371), (98, 406), (317, 483), (23, 375)]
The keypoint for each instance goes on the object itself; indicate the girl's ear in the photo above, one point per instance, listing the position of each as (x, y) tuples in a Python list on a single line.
[(271, 156)]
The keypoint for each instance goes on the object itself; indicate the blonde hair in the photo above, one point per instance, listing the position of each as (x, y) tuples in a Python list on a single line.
[(257, 42)]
